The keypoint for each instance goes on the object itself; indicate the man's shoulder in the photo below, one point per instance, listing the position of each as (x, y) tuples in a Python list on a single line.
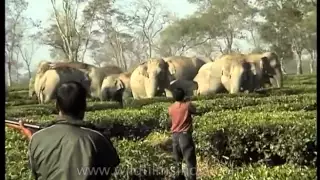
[(58, 130), (92, 132), (171, 106), (45, 131)]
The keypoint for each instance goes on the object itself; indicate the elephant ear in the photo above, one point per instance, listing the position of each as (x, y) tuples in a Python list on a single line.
[(166, 65), (143, 69), (119, 84), (225, 73), (171, 67), (43, 67)]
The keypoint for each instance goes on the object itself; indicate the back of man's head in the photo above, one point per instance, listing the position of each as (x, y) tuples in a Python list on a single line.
[(71, 99), (178, 94)]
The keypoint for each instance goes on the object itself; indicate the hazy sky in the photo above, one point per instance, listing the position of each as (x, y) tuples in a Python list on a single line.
[(41, 9)]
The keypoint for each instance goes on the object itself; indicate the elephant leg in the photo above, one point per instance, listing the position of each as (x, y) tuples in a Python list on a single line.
[(135, 95), (169, 93), (47, 99), (118, 97), (41, 97), (126, 94), (273, 82)]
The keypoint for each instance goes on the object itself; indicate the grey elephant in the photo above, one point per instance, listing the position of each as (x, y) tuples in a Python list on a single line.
[(149, 78), (184, 68), (116, 87), (43, 66), (271, 68), (52, 78), (96, 74), (188, 86), (229, 73)]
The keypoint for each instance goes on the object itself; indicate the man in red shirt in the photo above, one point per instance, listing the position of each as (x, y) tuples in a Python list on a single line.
[(183, 146)]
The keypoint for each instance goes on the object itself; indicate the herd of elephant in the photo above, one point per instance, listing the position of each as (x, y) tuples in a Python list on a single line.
[(232, 73)]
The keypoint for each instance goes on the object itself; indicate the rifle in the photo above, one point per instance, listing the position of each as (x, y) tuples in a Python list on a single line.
[(16, 122)]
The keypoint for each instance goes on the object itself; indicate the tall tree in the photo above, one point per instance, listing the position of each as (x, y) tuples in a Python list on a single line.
[(27, 51), (110, 41), (182, 35), (149, 19), (283, 25), (71, 31), (14, 31)]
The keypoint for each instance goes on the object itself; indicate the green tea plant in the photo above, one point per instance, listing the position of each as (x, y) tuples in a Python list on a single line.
[(242, 136)]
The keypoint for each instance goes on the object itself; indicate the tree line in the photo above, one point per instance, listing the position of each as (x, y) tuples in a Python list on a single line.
[(112, 33)]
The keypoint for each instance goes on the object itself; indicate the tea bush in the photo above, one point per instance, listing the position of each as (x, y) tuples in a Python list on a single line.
[(272, 127)]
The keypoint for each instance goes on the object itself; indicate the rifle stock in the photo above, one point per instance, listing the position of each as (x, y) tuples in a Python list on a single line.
[(25, 124)]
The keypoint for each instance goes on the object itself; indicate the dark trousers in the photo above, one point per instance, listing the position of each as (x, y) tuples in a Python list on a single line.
[(184, 148)]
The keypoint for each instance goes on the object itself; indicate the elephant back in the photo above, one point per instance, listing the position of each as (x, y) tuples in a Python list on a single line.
[(43, 67), (76, 65), (71, 74), (110, 69), (184, 68), (203, 59)]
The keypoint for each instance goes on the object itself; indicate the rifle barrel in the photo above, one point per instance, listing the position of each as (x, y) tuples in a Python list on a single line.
[(25, 124)]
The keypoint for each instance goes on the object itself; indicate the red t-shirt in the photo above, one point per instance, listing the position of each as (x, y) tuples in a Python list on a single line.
[(180, 114)]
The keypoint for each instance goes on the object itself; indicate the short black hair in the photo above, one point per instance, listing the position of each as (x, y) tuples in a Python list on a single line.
[(71, 98), (178, 94)]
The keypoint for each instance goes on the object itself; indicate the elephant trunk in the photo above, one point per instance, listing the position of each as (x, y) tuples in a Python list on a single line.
[(238, 80), (152, 86), (235, 86), (32, 93)]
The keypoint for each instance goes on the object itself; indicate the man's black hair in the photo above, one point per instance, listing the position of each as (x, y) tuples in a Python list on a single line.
[(71, 98), (178, 94)]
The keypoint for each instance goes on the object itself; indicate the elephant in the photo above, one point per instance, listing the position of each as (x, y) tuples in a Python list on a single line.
[(271, 68), (229, 73), (96, 74), (204, 58), (149, 78), (189, 86), (116, 87), (53, 78), (184, 68), (32, 92), (43, 66)]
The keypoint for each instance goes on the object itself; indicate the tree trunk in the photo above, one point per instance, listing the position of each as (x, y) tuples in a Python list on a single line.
[(311, 65), (299, 64), (312, 60), (150, 48), (282, 66), (17, 76), (29, 72), (9, 74)]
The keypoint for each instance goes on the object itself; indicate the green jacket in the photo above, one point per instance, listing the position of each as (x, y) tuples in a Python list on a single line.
[(71, 150)]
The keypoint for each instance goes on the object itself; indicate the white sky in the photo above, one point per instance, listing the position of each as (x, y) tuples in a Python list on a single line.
[(41, 9)]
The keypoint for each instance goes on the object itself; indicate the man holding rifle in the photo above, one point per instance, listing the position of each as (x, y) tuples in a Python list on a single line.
[(70, 148)]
